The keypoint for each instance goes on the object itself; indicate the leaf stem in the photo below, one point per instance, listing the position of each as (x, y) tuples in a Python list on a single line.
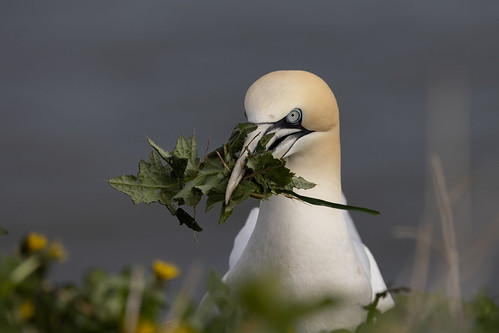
[(221, 159), (257, 196), (320, 202)]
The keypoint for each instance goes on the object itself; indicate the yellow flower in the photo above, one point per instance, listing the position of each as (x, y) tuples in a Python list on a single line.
[(57, 252), (145, 326), (27, 310), (164, 270), (35, 242)]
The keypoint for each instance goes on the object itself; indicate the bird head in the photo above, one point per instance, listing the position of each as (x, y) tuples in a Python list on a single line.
[(297, 106)]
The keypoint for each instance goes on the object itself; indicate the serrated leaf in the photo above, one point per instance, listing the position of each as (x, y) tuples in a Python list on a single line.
[(262, 143), (193, 156), (157, 164), (166, 199), (189, 195), (271, 172), (210, 175), (178, 165), (216, 195), (242, 193), (188, 150), (214, 198), (237, 138), (151, 184), (299, 183), (163, 153), (225, 213)]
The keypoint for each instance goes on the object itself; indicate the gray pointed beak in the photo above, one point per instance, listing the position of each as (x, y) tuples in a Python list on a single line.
[(280, 144)]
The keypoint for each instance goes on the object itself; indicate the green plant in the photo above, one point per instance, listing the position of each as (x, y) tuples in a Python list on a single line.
[(102, 303), (180, 178), (134, 302)]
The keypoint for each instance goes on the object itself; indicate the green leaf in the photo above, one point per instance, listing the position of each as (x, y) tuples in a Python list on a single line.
[(179, 166), (216, 195), (184, 179), (237, 138), (152, 184), (163, 153), (319, 202), (273, 169), (188, 150), (300, 183), (262, 144), (189, 195), (3, 232), (188, 220), (210, 174), (243, 191)]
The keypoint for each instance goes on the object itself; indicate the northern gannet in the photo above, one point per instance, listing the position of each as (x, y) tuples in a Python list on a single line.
[(315, 250)]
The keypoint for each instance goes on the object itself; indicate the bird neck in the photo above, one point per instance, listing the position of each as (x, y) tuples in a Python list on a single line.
[(320, 163)]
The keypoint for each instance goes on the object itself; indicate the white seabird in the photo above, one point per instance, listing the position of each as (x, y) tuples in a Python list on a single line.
[(315, 250)]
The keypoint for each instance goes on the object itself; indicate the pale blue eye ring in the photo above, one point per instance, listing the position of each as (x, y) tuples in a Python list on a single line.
[(294, 117)]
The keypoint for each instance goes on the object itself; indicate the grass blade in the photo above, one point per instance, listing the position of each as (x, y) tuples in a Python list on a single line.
[(319, 202)]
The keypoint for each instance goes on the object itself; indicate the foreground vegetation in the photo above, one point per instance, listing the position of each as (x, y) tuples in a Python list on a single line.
[(136, 301)]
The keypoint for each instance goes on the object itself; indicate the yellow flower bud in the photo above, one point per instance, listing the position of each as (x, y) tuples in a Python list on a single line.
[(35, 242), (57, 252), (164, 270), (27, 310)]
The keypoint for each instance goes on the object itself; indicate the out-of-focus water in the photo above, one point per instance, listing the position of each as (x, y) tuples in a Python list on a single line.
[(82, 84)]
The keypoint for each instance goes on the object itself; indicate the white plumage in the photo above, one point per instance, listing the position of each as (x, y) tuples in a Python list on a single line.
[(366, 258), (317, 251)]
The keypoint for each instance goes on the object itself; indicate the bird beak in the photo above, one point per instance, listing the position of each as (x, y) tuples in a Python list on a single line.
[(248, 147), (280, 144)]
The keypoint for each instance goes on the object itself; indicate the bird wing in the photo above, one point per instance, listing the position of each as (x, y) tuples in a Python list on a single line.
[(368, 263), (378, 284), (243, 237), (357, 242)]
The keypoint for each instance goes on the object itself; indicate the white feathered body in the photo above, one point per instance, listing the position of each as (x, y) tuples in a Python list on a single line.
[(315, 257)]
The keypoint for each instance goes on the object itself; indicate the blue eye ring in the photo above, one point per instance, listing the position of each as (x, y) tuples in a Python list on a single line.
[(294, 117)]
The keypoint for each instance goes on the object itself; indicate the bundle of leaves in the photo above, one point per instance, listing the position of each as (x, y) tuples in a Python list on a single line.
[(180, 178)]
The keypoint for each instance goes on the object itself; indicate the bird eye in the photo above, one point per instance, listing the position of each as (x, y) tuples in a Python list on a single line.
[(294, 117)]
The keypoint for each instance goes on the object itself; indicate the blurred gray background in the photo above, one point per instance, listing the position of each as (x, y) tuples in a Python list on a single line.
[(83, 83)]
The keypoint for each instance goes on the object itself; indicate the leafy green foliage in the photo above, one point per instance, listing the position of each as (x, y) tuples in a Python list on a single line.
[(258, 307), (30, 303), (181, 178), (434, 312), (101, 303)]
